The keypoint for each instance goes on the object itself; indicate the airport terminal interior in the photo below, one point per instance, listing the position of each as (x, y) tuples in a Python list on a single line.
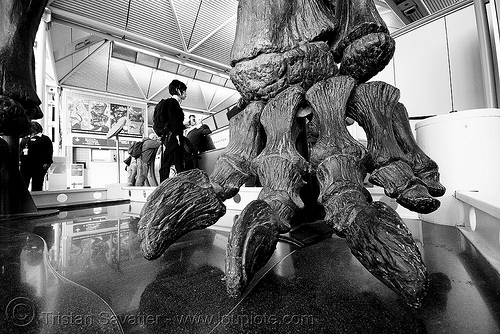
[(75, 264)]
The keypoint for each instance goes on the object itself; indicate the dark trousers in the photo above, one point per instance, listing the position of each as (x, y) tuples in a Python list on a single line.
[(34, 173), (174, 157)]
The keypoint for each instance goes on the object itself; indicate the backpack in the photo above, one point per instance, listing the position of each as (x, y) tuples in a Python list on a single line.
[(159, 123), (135, 150)]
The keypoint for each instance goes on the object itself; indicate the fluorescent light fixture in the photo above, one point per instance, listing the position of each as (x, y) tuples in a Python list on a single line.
[(173, 60), (170, 59), (137, 49)]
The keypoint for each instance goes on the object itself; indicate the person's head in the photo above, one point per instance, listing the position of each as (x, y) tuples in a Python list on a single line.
[(36, 128), (178, 88), (192, 120)]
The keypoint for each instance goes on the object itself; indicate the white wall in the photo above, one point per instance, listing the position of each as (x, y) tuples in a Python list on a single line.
[(437, 67)]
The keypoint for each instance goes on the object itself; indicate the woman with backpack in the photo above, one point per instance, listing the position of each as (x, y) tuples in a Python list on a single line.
[(172, 118)]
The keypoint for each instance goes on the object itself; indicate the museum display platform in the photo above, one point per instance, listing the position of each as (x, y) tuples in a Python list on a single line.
[(90, 277)]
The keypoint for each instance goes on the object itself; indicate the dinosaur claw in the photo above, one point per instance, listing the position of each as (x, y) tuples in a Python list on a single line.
[(179, 205), (379, 239), (430, 179), (418, 199), (251, 244)]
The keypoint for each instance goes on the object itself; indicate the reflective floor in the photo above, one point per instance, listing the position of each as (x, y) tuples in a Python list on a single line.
[(90, 277)]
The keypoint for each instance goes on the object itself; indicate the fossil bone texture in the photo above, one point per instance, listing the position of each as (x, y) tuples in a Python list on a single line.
[(19, 103), (303, 65)]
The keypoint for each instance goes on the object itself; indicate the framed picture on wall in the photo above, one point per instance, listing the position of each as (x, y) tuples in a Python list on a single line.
[(94, 115), (117, 111), (136, 120)]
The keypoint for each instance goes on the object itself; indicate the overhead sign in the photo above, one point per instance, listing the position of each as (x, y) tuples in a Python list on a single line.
[(100, 142)]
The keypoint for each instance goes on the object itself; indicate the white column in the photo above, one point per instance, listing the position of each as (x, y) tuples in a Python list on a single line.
[(40, 63), (485, 53)]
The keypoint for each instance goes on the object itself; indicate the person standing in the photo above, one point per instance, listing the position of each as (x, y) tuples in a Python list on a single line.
[(191, 122), (131, 168), (174, 140), (145, 163), (35, 157)]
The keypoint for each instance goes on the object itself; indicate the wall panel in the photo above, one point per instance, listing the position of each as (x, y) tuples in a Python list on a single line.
[(465, 61), (422, 71)]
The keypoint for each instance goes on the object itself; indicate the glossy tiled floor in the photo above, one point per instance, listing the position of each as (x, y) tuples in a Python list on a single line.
[(95, 280)]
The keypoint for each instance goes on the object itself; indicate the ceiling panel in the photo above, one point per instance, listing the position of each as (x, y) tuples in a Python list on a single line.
[(63, 67), (218, 45), (113, 13), (214, 95), (195, 99), (437, 5), (186, 71), (159, 81), (142, 76), (186, 12), (92, 72), (121, 82), (205, 23), (155, 20), (61, 36), (227, 103)]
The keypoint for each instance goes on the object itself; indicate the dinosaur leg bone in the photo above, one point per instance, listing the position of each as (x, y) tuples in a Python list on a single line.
[(280, 168), (424, 167), (232, 168), (372, 105), (375, 233), (336, 157)]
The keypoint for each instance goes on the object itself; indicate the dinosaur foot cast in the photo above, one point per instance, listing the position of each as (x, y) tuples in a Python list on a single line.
[(177, 206), (294, 63)]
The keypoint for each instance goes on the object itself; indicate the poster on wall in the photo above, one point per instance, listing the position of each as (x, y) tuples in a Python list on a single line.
[(93, 116), (79, 114), (135, 115), (99, 112), (117, 111), (88, 115)]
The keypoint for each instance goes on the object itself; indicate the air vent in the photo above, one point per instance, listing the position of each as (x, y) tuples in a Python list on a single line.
[(408, 7), (437, 5)]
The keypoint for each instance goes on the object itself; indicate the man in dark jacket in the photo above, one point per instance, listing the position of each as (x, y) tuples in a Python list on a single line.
[(199, 137), (35, 156), (174, 140)]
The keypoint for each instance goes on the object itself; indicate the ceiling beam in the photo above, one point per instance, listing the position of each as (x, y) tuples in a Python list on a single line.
[(136, 82), (181, 35)]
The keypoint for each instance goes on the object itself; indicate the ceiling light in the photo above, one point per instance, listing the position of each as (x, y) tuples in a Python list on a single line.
[(137, 49)]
